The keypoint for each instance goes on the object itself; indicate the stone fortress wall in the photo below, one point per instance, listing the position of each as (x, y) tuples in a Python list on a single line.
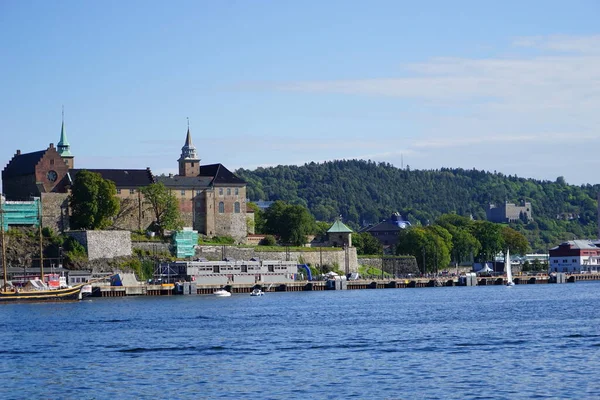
[(104, 244)]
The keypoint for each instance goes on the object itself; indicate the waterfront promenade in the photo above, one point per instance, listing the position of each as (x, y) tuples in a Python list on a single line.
[(302, 286)]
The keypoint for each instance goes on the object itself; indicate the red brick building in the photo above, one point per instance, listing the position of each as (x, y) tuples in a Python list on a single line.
[(212, 199)]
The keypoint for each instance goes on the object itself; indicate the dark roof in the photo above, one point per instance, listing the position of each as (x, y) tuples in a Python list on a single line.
[(23, 164), (122, 177), (192, 182), (384, 226), (220, 175)]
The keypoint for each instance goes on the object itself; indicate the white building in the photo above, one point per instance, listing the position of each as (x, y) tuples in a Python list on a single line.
[(575, 256)]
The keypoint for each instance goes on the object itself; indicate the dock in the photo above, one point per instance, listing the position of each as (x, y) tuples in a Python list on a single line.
[(191, 288)]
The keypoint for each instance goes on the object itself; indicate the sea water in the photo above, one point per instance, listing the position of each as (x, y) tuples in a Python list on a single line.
[(527, 341)]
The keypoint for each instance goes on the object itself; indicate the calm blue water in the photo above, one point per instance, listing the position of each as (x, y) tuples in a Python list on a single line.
[(529, 341)]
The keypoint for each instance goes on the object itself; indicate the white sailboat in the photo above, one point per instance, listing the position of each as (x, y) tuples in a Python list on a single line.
[(507, 266)]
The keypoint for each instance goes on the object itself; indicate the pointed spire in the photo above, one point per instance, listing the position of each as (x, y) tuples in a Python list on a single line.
[(63, 146), (188, 139), (188, 151)]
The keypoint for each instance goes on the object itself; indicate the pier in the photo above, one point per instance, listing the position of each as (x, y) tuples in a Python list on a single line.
[(191, 288)]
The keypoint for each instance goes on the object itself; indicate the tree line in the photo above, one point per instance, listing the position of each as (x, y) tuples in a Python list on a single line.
[(454, 239), (365, 192)]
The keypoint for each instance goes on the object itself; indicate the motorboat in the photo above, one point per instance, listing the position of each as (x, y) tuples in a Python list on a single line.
[(257, 292), (222, 293)]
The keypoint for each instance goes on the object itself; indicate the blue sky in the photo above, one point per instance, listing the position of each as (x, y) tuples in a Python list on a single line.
[(510, 86)]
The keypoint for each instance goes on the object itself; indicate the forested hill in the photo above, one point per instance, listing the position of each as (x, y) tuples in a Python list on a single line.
[(366, 192)]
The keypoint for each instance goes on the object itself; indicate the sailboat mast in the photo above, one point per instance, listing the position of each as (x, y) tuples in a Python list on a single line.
[(3, 245), (41, 245)]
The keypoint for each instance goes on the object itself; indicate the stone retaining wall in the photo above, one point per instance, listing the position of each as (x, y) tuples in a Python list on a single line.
[(398, 266), (104, 244), (153, 247)]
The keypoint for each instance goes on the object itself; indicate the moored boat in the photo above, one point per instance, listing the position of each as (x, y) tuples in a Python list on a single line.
[(27, 295), (35, 290)]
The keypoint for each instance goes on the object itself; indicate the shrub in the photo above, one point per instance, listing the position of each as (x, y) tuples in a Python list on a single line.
[(74, 250), (47, 232), (268, 240)]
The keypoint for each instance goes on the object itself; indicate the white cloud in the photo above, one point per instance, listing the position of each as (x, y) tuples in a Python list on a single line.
[(532, 112), (578, 44), (553, 80)]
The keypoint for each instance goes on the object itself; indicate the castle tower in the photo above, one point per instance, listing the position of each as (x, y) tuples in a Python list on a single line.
[(63, 147), (189, 163)]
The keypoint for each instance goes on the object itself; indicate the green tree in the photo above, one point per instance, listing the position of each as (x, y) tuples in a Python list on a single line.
[(165, 207), (464, 244), (321, 228), (489, 236), (259, 218), (366, 243), (93, 201), (293, 223), (515, 241), (438, 247)]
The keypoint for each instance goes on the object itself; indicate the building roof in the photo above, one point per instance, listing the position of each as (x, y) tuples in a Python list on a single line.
[(577, 244), (394, 224), (339, 227), (23, 164), (63, 146), (188, 151), (121, 177), (384, 226), (190, 182), (221, 175)]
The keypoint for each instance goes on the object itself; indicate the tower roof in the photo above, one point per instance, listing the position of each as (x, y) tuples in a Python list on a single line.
[(339, 227), (188, 151), (63, 146), (188, 139)]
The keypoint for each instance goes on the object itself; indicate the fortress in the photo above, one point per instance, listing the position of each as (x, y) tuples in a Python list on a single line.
[(212, 200)]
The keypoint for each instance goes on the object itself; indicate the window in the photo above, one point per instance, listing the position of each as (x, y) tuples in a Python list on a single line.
[(51, 162), (197, 192), (221, 207), (192, 164), (228, 192), (183, 192), (237, 191), (131, 191), (118, 191), (221, 191), (237, 207)]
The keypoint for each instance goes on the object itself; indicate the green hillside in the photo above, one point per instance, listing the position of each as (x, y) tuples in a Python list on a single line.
[(366, 192)]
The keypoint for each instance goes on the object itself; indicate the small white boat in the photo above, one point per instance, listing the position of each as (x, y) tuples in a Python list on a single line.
[(222, 293), (257, 292), (508, 267)]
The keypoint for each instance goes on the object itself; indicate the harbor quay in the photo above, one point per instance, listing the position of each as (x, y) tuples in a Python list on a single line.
[(194, 288)]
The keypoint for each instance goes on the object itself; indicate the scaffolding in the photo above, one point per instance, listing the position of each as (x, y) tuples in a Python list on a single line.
[(185, 243), (20, 212)]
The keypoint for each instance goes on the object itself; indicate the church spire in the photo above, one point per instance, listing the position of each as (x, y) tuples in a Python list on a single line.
[(188, 139), (188, 151), (63, 146), (189, 163)]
